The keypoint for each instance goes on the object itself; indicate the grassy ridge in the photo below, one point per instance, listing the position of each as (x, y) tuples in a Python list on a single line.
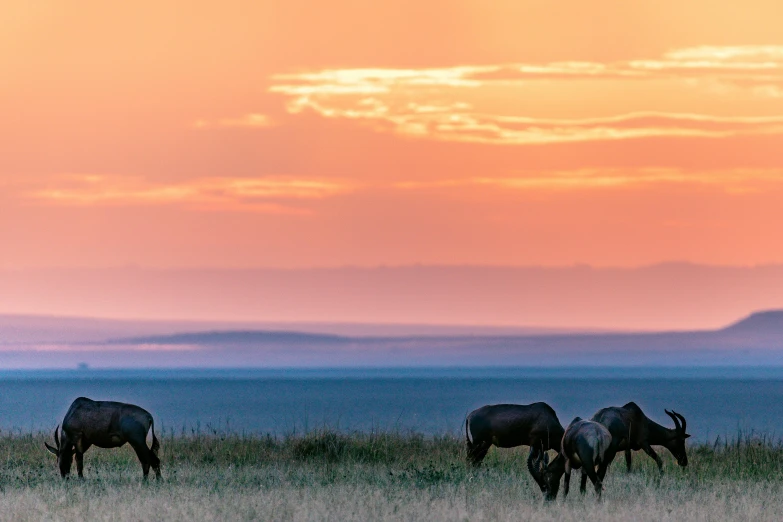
[(330, 476)]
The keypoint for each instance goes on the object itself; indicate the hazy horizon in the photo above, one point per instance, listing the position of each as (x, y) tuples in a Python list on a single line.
[(671, 296), (30, 342)]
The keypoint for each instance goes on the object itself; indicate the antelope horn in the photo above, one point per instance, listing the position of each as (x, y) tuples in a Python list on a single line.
[(682, 419), (676, 421), (57, 437)]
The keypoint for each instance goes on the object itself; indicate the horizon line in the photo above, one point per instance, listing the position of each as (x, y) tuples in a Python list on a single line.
[(242, 327)]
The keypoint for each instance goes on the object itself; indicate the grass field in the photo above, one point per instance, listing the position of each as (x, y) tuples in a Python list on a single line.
[(326, 476)]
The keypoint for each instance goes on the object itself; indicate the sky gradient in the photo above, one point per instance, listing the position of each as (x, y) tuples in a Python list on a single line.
[(303, 134)]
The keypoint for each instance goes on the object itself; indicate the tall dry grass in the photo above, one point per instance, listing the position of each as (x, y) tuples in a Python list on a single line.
[(329, 476)]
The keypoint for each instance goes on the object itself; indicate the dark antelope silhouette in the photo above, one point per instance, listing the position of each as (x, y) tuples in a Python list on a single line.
[(632, 430), (104, 424), (510, 425), (586, 445)]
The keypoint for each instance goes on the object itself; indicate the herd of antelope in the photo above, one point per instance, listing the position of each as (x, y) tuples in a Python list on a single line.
[(589, 445)]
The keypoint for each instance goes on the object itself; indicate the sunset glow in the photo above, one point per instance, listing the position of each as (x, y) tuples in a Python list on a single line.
[(238, 134)]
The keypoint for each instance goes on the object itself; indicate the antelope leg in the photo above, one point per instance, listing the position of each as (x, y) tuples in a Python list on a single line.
[(651, 452)]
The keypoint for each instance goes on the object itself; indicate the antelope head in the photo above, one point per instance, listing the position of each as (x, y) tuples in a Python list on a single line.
[(677, 441), (63, 453), (548, 474)]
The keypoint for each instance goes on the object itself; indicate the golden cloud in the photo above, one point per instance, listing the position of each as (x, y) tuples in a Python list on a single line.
[(735, 181), (288, 196), (441, 103), (276, 195)]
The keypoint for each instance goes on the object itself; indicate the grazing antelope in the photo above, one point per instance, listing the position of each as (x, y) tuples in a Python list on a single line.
[(632, 430), (104, 424), (586, 446), (510, 425)]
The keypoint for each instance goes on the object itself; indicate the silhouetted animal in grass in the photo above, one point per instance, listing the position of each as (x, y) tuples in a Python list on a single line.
[(104, 424), (586, 446), (510, 425), (632, 430)]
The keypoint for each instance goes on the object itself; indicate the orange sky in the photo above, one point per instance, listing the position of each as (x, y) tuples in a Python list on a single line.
[(300, 133)]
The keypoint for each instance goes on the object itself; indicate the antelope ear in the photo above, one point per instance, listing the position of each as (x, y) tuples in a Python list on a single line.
[(52, 450), (686, 436)]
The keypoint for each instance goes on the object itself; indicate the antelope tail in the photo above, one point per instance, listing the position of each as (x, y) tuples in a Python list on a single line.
[(155, 444)]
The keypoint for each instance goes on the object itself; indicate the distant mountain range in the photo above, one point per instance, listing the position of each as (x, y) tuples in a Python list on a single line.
[(33, 329), (754, 341)]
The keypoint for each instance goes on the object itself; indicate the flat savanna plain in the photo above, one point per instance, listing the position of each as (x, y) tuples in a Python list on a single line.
[(324, 475)]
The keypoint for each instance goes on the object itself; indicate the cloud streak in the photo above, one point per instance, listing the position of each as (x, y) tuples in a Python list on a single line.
[(734, 181), (288, 196), (281, 195)]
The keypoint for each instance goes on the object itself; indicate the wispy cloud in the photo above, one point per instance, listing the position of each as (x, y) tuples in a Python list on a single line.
[(282, 195), (741, 53), (289, 196), (450, 103), (492, 129), (735, 181)]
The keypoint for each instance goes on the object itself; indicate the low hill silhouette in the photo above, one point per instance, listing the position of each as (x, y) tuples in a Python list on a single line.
[(768, 322)]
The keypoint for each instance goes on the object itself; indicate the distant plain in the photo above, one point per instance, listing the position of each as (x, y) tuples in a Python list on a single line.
[(432, 401)]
